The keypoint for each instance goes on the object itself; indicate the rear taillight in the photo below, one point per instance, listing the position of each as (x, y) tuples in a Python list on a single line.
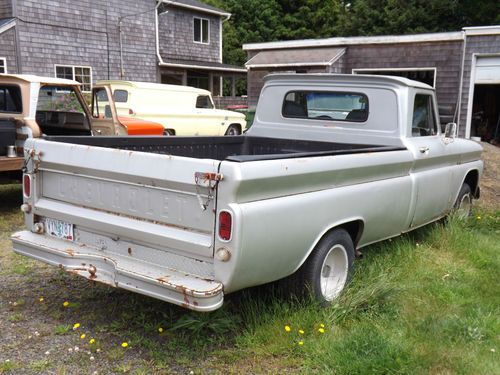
[(27, 185), (225, 225)]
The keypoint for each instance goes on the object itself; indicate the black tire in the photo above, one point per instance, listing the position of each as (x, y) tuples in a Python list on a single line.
[(233, 130), (463, 204), (337, 244), (168, 132)]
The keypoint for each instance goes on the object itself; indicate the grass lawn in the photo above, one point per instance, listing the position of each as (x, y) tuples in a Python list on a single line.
[(424, 303)]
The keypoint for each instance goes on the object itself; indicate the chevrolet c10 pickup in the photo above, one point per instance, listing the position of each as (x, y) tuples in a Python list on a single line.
[(332, 164)]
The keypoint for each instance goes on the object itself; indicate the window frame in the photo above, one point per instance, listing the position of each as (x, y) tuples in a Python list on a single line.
[(73, 74), (4, 59), (432, 69), (324, 119), (201, 30), (431, 112)]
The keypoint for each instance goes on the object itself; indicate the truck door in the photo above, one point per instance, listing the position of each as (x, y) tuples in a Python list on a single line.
[(104, 117), (432, 169)]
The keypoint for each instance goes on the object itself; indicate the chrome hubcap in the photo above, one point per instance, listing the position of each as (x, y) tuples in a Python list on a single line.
[(464, 207), (334, 272)]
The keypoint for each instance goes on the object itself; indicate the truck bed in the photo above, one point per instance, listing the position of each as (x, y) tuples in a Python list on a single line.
[(238, 148)]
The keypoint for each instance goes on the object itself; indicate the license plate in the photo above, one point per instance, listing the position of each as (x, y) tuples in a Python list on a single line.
[(59, 229)]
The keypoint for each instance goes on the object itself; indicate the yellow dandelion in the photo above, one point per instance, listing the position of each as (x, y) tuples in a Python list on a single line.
[(322, 325), (124, 344), (287, 328), (82, 336), (160, 329), (65, 303), (301, 343), (91, 341), (76, 325), (301, 331), (41, 299), (478, 217), (321, 330)]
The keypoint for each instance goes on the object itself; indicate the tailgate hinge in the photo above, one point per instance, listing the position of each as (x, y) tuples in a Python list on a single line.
[(209, 181)]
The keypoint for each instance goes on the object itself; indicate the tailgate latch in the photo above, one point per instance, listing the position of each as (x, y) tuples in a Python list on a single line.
[(209, 181)]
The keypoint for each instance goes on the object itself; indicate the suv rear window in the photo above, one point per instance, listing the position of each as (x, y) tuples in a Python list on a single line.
[(326, 105), (10, 99)]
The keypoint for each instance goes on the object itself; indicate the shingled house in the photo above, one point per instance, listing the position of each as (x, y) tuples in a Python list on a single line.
[(177, 42), (463, 66)]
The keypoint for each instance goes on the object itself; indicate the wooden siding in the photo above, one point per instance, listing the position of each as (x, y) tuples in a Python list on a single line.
[(85, 33), (444, 56), (5, 8), (482, 44), (176, 36), (8, 49)]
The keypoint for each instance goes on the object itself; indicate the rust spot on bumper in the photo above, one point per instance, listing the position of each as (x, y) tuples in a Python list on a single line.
[(70, 252)]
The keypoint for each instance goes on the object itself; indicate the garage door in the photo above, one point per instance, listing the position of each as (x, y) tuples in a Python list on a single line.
[(488, 70)]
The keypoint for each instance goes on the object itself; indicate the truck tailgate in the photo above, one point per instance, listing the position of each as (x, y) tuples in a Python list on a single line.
[(131, 216)]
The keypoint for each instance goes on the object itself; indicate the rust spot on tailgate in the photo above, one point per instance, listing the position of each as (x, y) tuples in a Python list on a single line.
[(70, 252), (163, 279)]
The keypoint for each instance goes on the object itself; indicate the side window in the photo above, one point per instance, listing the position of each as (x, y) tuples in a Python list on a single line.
[(100, 104), (203, 101), (120, 96), (424, 122), (326, 105)]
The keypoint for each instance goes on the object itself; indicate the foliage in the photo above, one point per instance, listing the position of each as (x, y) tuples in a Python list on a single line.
[(255, 21)]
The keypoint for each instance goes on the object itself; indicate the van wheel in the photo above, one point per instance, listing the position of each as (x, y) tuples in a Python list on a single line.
[(168, 132), (329, 267), (233, 130), (463, 205)]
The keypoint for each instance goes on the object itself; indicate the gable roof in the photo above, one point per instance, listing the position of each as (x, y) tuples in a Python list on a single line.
[(197, 5), (6, 24), (295, 57)]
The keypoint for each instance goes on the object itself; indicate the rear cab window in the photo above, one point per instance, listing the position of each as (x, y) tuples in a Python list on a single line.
[(10, 99), (326, 105)]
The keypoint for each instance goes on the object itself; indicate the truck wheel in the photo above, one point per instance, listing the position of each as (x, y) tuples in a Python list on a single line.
[(233, 130), (328, 269), (463, 205)]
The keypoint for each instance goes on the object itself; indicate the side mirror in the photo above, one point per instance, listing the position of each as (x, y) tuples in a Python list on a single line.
[(451, 130)]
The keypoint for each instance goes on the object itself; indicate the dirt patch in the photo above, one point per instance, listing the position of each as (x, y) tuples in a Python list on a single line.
[(490, 182)]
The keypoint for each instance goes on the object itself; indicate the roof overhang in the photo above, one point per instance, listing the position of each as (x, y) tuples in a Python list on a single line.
[(347, 41), (201, 66), (199, 9), (482, 30), (7, 24), (295, 57)]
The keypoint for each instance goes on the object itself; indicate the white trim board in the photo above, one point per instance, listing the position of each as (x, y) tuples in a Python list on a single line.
[(410, 69), (346, 41)]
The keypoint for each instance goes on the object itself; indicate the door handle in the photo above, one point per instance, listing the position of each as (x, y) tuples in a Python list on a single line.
[(424, 149)]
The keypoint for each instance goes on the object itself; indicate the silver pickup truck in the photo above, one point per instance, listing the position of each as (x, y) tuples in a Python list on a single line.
[(331, 164)]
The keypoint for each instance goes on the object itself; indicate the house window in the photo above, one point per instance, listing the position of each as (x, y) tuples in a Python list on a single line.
[(82, 74), (201, 30), (3, 65)]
